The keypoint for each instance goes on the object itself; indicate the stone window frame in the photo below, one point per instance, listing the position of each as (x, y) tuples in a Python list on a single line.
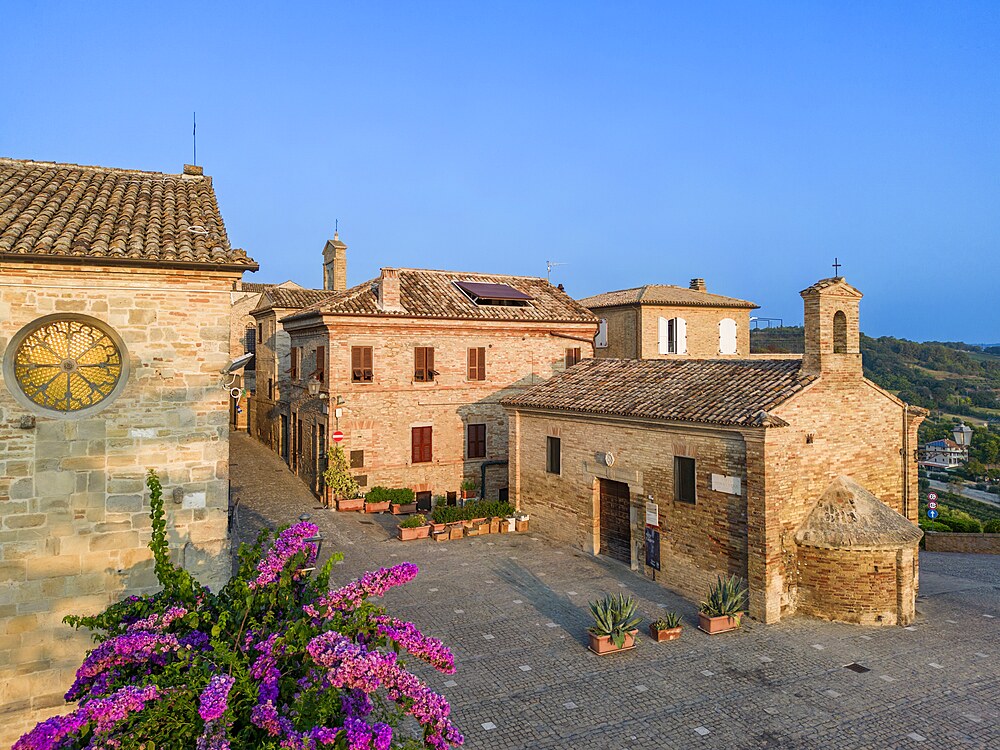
[(14, 387)]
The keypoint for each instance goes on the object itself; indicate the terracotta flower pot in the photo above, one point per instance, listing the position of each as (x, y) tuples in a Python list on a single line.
[(494, 525), (466, 494), (399, 509), (713, 625), (377, 507), (520, 526), (456, 532), (667, 634), (352, 504), (413, 532), (601, 644), (440, 536), (436, 527)]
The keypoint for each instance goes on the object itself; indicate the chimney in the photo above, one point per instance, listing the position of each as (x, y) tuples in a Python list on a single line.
[(698, 285), (191, 169), (335, 265), (388, 291)]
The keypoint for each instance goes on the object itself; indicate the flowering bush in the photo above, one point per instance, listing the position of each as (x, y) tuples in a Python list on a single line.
[(276, 659)]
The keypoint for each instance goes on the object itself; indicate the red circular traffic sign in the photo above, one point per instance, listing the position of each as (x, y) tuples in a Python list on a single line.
[(932, 496), (337, 436), (931, 504)]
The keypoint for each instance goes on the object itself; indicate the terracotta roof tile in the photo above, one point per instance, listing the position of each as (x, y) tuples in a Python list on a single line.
[(111, 216), (290, 298), (433, 294), (731, 392), (663, 294), (831, 282)]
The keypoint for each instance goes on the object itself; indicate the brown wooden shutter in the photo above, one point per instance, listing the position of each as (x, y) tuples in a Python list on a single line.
[(355, 363), (473, 373), (429, 356), (369, 370), (321, 363), (294, 369), (420, 445), (480, 357), (419, 364), (476, 443)]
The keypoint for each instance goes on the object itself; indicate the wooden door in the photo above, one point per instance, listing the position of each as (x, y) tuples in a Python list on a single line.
[(616, 532)]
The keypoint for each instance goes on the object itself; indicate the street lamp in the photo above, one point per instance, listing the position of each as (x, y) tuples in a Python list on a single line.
[(963, 434), (313, 387)]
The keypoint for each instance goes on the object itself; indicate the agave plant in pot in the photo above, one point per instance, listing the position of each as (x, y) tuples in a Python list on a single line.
[(666, 628), (724, 608), (615, 624)]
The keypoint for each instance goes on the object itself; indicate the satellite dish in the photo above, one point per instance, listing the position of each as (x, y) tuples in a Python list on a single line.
[(239, 363)]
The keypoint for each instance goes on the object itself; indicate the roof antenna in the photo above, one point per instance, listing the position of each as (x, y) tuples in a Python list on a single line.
[(336, 229), (549, 265), (194, 137)]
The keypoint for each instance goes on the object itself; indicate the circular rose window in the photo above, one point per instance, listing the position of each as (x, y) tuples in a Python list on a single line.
[(69, 365)]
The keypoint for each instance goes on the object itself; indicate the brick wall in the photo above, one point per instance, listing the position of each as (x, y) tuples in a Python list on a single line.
[(868, 587), (698, 542), (378, 417), (702, 330), (624, 326), (856, 430), (943, 541), (74, 520)]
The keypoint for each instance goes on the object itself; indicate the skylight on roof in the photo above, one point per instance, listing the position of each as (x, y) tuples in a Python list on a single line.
[(493, 294)]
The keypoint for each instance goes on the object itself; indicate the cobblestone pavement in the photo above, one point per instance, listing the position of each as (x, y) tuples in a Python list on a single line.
[(514, 610)]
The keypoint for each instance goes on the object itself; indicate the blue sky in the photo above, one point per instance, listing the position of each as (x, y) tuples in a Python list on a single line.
[(746, 143)]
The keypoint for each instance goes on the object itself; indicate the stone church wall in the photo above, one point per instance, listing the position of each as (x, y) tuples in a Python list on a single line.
[(73, 507)]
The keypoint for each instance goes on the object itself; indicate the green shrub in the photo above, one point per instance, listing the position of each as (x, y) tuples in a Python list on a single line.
[(401, 496), (962, 525), (928, 525), (413, 522), (992, 527), (446, 514), (476, 509), (337, 476)]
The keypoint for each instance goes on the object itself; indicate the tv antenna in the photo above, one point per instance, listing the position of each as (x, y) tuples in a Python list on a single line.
[(549, 265), (194, 138)]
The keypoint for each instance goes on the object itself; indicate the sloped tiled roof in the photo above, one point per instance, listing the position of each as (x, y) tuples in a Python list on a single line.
[(433, 294), (254, 288), (290, 298), (848, 516), (944, 443), (663, 294), (111, 216), (731, 392)]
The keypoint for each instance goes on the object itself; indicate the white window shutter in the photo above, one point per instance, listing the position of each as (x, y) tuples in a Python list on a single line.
[(601, 339), (682, 336), (727, 336), (662, 335)]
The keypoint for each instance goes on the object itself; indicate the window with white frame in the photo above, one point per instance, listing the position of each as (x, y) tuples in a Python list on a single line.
[(727, 336), (672, 336), (601, 339)]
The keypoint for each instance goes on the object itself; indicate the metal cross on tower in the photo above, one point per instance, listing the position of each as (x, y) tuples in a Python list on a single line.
[(836, 267)]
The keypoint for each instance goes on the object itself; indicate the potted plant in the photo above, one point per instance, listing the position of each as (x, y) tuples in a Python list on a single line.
[(521, 522), (615, 624), (724, 607), (444, 515), (340, 483), (414, 527), (468, 488), (666, 628), (402, 501)]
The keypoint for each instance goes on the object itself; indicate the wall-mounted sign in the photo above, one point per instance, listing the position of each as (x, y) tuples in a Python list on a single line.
[(652, 514), (336, 436), (729, 485), (609, 458)]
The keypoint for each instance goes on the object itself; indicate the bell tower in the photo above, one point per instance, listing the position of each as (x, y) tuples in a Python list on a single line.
[(335, 265), (833, 335)]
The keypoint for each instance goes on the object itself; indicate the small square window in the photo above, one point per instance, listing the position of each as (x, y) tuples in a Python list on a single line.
[(553, 455), (357, 459), (362, 480)]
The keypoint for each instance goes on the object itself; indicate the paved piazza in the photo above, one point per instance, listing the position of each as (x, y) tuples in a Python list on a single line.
[(514, 610)]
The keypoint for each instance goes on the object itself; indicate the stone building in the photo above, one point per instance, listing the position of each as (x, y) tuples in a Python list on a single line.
[(738, 462), (659, 321), (411, 366), (114, 329), (243, 340), (269, 414)]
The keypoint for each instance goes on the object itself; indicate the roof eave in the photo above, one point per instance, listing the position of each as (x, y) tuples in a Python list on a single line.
[(119, 262)]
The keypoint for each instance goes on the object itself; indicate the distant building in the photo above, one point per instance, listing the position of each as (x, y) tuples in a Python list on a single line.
[(411, 366), (114, 332), (793, 473), (659, 321), (945, 453)]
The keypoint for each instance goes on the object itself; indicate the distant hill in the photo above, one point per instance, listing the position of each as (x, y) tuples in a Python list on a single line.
[(947, 377)]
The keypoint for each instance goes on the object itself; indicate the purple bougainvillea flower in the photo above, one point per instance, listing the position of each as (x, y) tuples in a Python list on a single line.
[(289, 543)]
